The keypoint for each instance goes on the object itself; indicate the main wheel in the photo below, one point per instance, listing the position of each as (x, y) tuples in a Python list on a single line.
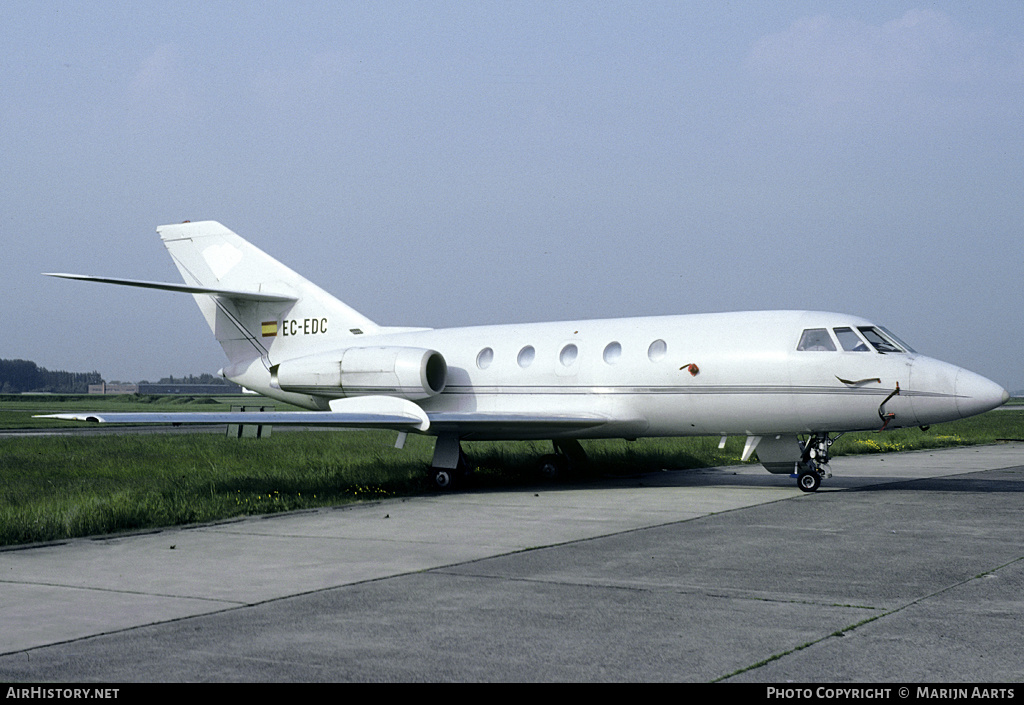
[(552, 466), (808, 481), (443, 478)]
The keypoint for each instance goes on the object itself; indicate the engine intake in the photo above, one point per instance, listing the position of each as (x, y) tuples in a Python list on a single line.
[(409, 373)]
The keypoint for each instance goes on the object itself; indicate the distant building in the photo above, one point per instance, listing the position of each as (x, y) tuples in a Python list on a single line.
[(183, 389), (113, 388), (196, 389)]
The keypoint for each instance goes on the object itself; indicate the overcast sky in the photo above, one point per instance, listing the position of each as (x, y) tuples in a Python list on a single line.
[(445, 164)]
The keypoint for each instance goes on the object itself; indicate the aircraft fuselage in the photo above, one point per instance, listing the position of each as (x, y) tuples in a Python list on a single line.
[(702, 374)]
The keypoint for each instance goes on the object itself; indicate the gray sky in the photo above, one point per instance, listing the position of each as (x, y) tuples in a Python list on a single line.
[(446, 164)]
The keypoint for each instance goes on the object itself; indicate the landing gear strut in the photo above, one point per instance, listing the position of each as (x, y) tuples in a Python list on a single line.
[(813, 462), (568, 455), (450, 464)]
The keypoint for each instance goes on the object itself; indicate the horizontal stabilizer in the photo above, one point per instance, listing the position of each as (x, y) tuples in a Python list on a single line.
[(184, 288), (356, 412)]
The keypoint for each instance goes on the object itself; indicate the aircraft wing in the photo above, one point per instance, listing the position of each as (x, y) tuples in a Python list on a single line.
[(476, 425), (367, 412), (184, 288), (356, 412)]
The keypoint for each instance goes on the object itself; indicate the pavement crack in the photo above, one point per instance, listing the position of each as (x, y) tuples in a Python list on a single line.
[(92, 588), (845, 631)]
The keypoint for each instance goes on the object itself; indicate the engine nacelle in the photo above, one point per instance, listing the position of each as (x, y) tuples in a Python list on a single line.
[(409, 373)]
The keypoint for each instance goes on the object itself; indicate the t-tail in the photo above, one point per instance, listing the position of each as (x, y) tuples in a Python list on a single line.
[(274, 302), (261, 311)]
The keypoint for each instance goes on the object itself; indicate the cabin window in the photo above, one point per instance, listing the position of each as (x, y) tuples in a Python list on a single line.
[(612, 353), (850, 341), (816, 339), (568, 355), (657, 350), (526, 356), (485, 358)]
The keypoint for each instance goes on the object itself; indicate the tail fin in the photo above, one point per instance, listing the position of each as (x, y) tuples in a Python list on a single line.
[(210, 256)]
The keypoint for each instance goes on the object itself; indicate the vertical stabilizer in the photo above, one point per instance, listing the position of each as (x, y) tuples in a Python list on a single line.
[(209, 255)]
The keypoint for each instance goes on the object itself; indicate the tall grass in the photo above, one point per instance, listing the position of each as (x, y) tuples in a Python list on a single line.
[(992, 427), (56, 487), (63, 486)]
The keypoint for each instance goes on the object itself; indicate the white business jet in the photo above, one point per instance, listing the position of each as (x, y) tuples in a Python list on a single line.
[(772, 376)]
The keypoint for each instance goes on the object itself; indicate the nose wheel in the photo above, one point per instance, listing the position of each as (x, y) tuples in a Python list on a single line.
[(809, 480), (812, 462)]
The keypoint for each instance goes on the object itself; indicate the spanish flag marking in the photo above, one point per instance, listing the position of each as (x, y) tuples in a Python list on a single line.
[(269, 329)]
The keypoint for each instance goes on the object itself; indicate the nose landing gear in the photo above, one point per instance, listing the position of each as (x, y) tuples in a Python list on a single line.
[(813, 462)]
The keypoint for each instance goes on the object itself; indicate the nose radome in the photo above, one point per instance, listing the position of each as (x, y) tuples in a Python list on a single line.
[(976, 394)]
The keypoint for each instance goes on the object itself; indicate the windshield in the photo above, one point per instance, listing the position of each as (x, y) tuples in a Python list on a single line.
[(881, 342), (850, 341), (899, 341), (859, 339)]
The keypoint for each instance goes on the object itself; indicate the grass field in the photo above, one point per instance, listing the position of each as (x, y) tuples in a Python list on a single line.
[(56, 487)]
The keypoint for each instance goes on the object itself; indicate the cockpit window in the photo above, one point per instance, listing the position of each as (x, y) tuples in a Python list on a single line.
[(898, 341), (879, 340), (816, 339), (850, 341)]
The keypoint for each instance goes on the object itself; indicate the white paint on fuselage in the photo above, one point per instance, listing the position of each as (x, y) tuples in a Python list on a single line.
[(751, 378)]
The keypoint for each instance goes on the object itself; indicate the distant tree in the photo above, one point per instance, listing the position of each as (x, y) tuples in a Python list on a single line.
[(19, 376)]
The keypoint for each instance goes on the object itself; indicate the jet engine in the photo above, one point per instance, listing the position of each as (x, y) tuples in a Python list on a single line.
[(409, 373)]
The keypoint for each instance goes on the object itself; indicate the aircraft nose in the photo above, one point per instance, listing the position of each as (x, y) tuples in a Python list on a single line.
[(976, 394)]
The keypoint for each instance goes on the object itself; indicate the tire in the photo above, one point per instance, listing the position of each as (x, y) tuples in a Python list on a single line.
[(444, 478), (552, 467), (808, 481)]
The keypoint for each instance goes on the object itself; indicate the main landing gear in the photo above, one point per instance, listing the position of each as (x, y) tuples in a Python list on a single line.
[(450, 465), (568, 455), (811, 468), (446, 478)]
